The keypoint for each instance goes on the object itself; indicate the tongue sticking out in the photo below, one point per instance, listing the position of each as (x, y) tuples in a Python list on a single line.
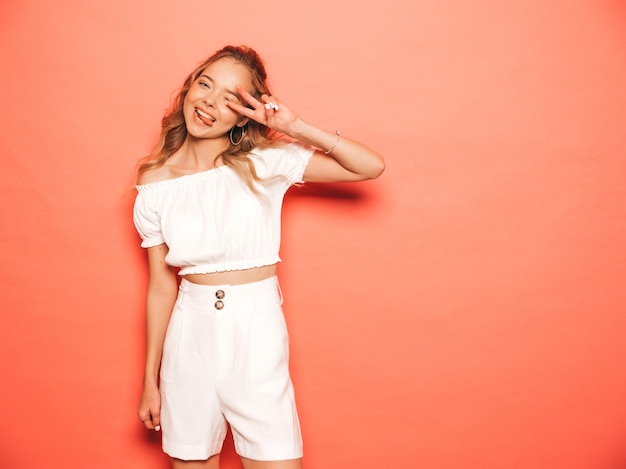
[(204, 117)]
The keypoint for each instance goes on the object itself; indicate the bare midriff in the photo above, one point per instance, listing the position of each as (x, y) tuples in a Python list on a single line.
[(233, 277)]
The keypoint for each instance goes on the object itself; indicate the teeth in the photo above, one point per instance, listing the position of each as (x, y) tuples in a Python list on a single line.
[(205, 115)]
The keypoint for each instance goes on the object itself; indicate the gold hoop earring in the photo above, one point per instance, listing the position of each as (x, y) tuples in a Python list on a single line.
[(243, 133)]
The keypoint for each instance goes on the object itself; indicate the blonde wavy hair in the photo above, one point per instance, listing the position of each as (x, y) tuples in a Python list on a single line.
[(174, 130)]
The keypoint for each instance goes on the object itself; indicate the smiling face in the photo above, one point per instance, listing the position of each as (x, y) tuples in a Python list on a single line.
[(205, 108)]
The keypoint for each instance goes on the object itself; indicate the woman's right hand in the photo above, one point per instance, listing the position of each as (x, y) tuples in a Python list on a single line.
[(149, 411), (162, 289)]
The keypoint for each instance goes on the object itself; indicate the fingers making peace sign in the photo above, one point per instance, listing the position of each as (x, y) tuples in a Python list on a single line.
[(269, 111)]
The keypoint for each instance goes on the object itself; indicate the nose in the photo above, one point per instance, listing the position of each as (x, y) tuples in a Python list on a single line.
[(209, 99)]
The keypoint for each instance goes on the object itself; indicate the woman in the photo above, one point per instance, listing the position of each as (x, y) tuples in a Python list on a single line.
[(208, 211)]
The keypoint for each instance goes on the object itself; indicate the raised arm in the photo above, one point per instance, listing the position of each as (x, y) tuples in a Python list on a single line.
[(341, 160), (347, 160), (161, 296)]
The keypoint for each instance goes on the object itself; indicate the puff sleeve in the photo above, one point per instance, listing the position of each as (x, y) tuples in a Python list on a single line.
[(146, 218), (287, 160)]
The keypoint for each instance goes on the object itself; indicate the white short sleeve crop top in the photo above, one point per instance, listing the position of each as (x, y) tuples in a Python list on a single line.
[(212, 222)]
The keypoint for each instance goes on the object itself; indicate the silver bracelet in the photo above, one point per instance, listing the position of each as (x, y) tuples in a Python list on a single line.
[(336, 142)]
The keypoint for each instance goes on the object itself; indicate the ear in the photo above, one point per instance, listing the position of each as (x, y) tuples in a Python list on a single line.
[(242, 122)]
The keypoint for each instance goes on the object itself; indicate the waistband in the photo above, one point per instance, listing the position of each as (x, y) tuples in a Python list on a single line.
[(224, 298)]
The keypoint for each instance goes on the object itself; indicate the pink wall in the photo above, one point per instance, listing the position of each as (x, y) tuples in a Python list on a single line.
[(464, 311)]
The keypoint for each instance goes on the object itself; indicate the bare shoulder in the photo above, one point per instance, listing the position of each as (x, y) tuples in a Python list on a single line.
[(161, 173)]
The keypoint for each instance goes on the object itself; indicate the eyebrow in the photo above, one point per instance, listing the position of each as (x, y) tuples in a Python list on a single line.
[(234, 93)]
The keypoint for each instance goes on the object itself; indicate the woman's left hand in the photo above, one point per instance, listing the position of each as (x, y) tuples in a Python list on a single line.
[(349, 161), (269, 111)]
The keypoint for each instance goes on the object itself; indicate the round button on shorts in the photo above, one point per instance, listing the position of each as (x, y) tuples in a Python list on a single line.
[(226, 360)]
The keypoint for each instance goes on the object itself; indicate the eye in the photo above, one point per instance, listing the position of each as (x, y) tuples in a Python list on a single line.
[(204, 84)]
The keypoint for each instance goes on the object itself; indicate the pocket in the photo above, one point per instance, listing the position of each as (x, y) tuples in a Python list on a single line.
[(269, 347), (172, 342)]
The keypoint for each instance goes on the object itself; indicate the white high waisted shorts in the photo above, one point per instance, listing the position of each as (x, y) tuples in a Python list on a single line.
[(226, 360)]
